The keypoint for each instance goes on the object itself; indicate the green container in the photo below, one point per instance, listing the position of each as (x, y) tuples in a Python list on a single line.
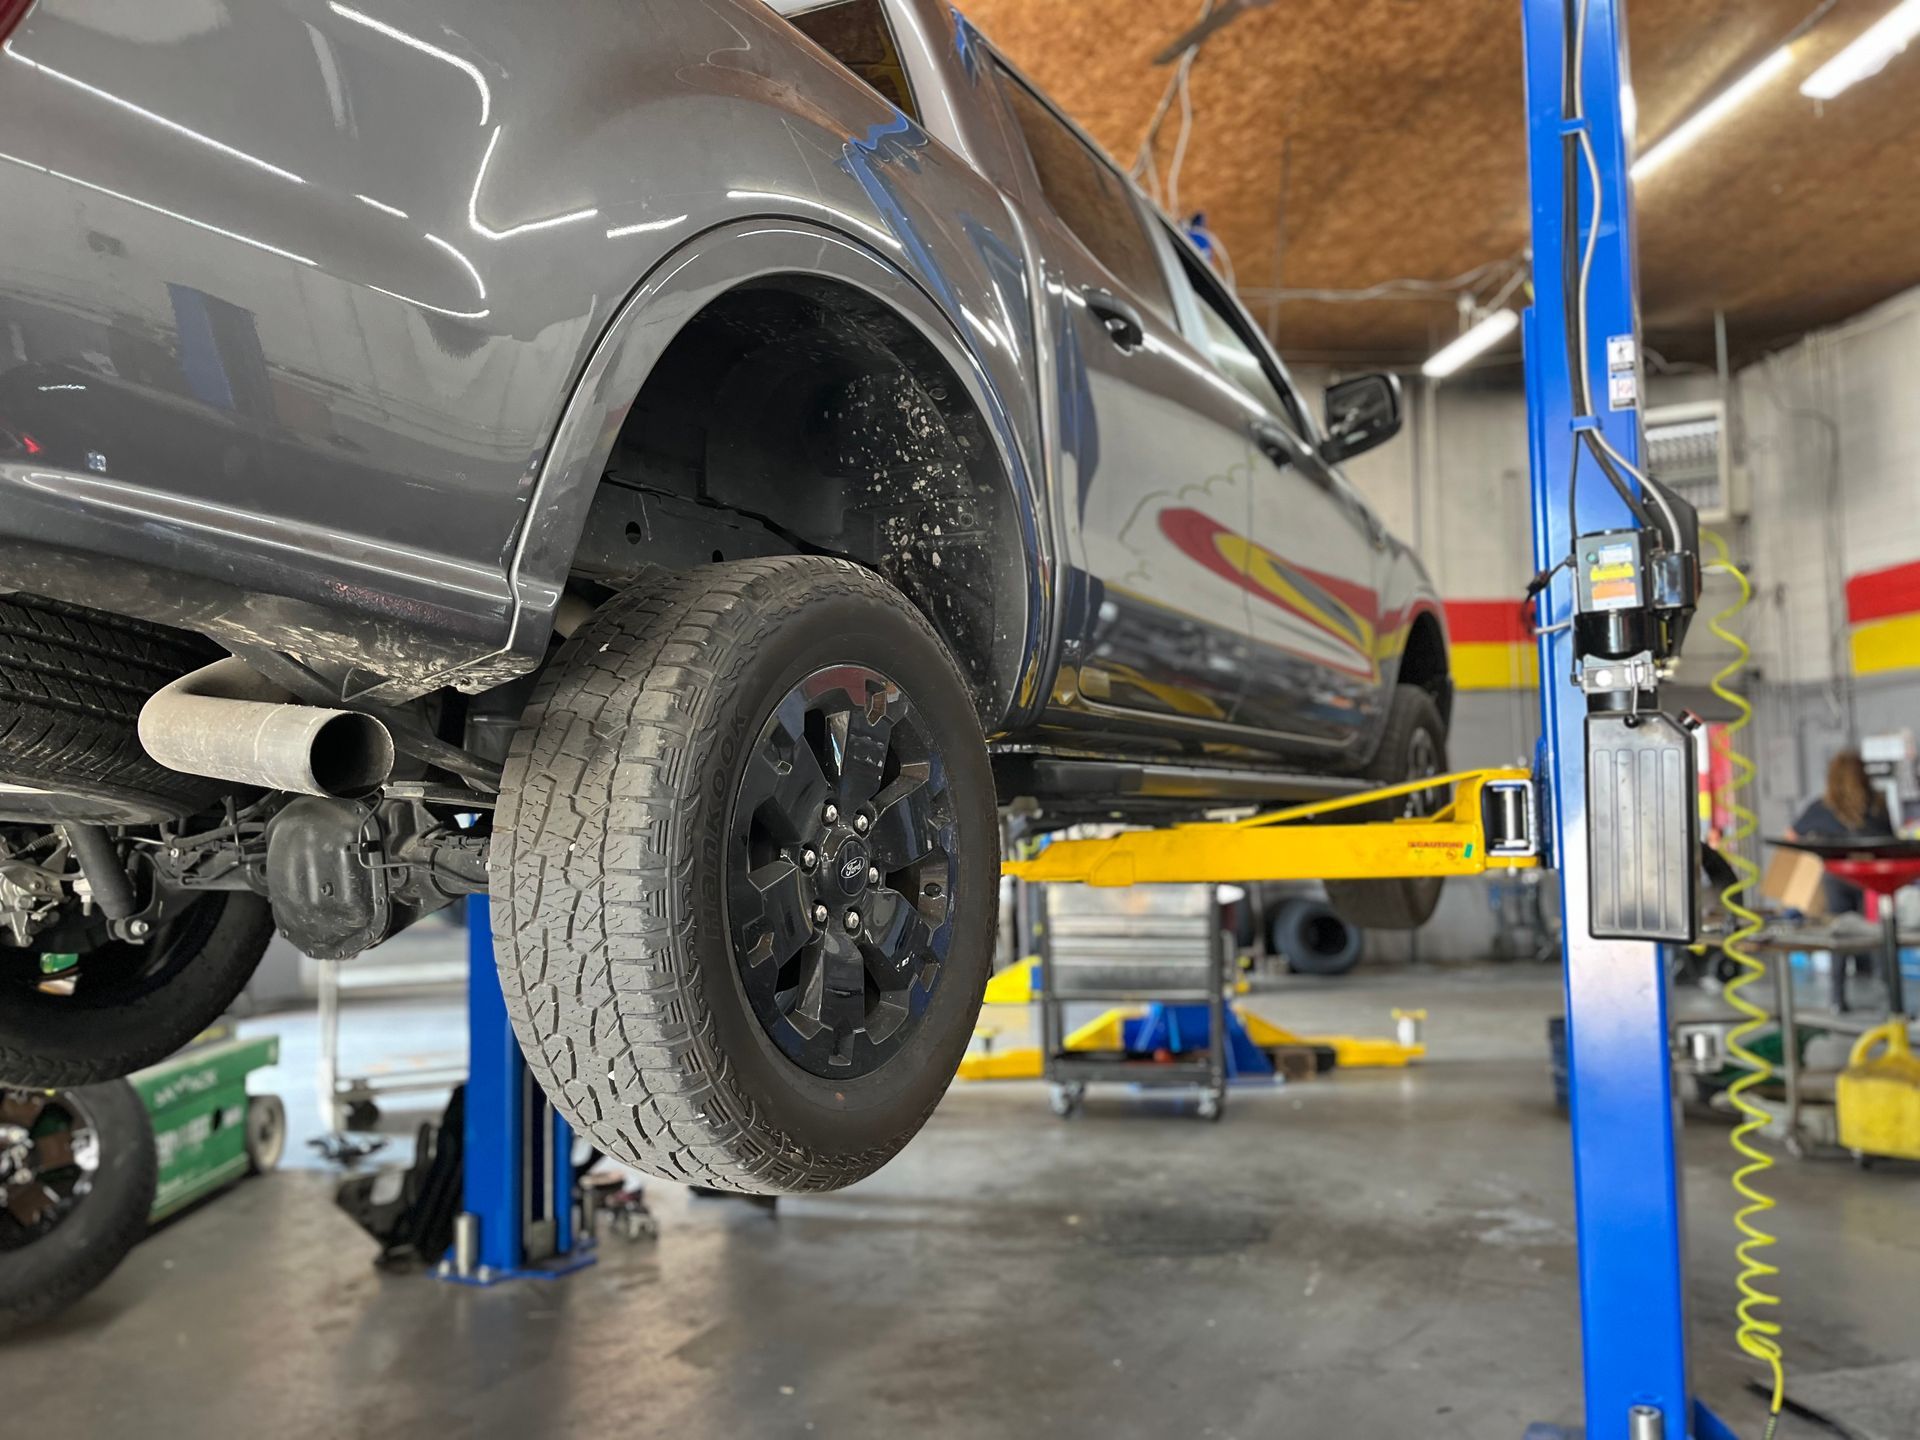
[(198, 1101)]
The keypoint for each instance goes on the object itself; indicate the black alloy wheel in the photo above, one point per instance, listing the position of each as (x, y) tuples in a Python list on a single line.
[(744, 874), (840, 872)]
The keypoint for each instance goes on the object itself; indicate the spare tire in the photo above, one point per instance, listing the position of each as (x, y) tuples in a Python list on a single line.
[(72, 682), (1312, 938)]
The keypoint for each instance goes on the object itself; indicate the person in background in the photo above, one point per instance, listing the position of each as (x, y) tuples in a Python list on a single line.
[(1849, 807)]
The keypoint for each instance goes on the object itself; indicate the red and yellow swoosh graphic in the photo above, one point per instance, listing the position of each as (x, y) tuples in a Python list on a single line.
[(1324, 602), (1492, 640)]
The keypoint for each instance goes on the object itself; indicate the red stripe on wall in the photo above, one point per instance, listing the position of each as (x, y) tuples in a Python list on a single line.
[(1488, 621), (1880, 594)]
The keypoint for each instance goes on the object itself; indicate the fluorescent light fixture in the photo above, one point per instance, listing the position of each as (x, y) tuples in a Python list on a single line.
[(1711, 114), (1476, 342), (1868, 55)]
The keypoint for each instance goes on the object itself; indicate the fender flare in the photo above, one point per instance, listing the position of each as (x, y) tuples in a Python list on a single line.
[(646, 324)]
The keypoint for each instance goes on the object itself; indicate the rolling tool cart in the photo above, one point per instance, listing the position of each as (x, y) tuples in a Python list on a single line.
[(1157, 944)]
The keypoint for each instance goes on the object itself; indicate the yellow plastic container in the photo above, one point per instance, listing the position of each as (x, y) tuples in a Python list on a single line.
[(1879, 1094)]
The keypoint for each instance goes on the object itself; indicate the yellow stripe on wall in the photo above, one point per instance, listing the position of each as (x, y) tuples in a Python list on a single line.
[(1495, 665), (1880, 646)]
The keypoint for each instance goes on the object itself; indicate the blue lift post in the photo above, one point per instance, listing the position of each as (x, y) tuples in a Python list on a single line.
[(1627, 1197), (518, 1182)]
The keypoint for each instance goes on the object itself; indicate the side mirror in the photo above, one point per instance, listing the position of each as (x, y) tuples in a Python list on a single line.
[(1361, 413)]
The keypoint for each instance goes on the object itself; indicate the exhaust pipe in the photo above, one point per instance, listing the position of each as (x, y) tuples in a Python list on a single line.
[(229, 722)]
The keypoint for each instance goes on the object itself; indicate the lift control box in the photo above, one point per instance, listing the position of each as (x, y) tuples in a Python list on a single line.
[(1610, 573), (1643, 827)]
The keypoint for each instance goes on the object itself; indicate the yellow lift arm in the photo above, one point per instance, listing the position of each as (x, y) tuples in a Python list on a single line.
[(1490, 824)]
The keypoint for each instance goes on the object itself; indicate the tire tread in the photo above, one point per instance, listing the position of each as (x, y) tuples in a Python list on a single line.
[(589, 872), (126, 1183), (72, 682)]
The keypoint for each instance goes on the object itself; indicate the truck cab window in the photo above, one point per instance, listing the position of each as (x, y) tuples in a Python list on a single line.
[(1233, 355), (1089, 197), (856, 33)]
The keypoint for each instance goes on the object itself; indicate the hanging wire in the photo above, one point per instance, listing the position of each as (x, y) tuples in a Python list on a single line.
[(1146, 167), (1181, 139), (1492, 272), (1217, 247)]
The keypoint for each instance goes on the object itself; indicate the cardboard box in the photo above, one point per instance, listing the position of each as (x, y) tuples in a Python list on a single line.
[(1793, 880)]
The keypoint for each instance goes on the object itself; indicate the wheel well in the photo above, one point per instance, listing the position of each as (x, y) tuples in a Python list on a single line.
[(795, 415), (1424, 663)]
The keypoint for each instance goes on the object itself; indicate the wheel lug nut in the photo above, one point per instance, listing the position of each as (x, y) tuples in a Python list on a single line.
[(853, 922), (860, 823), (832, 813), (873, 875), (809, 857), (819, 914)]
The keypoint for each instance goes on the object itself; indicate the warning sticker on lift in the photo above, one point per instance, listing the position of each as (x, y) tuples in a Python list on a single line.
[(1623, 373), (1613, 577)]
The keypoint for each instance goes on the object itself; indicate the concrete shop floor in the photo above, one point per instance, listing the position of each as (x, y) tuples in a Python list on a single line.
[(1375, 1254)]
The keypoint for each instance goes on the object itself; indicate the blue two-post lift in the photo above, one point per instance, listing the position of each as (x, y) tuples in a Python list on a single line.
[(1627, 1196), (516, 1219), (1633, 1321)]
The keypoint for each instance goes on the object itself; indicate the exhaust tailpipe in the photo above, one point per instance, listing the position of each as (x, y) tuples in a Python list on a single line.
[(229, 722)]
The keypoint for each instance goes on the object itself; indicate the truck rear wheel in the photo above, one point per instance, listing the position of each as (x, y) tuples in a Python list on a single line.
[(124, 1006), (1414, 747), (744, 875)]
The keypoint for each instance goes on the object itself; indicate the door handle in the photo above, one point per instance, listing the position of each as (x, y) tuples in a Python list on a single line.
[(1283, 450), (1119, 319)]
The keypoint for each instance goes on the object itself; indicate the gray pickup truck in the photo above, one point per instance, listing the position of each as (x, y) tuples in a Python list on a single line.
[(681, 469)]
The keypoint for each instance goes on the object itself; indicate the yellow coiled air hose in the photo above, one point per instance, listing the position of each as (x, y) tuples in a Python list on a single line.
[(1757, 1335)]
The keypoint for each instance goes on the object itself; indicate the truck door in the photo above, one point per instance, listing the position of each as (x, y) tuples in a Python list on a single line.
[(1160, 623), (1313, 554)]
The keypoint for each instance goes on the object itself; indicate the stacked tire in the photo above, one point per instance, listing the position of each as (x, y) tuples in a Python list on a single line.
[(77, 1175), (1312, 938)]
